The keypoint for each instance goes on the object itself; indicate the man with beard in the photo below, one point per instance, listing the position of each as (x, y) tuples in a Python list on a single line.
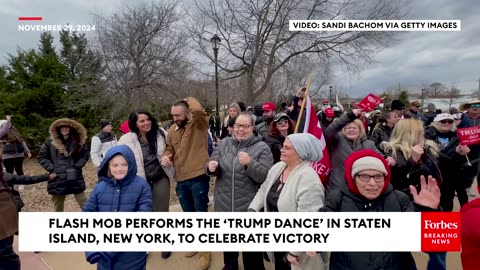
[(269, 110), (187, 150)]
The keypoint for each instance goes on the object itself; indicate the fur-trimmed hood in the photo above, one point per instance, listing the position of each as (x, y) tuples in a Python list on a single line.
[(54, 136)]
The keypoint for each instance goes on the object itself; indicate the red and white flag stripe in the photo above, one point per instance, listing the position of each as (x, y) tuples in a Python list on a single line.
[(312, 126)]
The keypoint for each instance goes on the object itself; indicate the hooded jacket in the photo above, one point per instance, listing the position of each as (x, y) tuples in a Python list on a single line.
[(66, 158), (470, 235), (130, 194), (236, 184), (349, 199)]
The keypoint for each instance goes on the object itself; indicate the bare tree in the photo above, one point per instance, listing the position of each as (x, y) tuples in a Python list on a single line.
[(144, 54), (436, 89), (257, 43), (294, 74), (451, 94)]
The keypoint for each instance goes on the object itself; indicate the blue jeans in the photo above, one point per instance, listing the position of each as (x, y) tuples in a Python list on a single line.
[(437, 261), (193, 194)]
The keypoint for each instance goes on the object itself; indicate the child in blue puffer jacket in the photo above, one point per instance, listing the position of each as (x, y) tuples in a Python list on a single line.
[(119, 190)]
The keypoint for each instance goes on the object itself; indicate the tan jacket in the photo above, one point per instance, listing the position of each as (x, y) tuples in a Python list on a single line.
[(189, 145), (9, 219)]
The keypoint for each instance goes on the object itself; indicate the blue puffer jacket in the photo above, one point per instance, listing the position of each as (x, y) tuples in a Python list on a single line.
[(131, 194)]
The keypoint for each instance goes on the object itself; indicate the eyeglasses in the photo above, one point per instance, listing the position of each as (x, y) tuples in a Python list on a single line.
[(377, 178), (282, 121), (240, 126), (446, 122)]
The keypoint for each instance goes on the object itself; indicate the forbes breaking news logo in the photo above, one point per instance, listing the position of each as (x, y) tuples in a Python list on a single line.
[(440, 231)]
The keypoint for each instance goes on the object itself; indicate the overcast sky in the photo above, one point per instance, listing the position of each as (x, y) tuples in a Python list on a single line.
[(413, 59)]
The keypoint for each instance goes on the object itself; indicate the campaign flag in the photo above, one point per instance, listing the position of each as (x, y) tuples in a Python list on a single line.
[(469, 136), (369, 103), (311, 125)]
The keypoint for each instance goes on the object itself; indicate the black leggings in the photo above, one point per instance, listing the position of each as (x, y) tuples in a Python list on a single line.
[(448, 190), (12, 164), (9, 260), (251, 260)]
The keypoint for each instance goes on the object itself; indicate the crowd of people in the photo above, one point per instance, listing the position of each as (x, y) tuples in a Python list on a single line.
[(397, 160)]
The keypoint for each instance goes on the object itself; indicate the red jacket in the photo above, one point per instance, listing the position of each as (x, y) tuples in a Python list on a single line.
[(470, 235)]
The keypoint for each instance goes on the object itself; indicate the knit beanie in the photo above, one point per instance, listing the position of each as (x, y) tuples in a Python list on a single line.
[(368, 163), (366, 159), (104, 123)]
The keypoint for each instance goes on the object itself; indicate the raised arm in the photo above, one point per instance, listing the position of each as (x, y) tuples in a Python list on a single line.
[(198, 113), (331, 133)]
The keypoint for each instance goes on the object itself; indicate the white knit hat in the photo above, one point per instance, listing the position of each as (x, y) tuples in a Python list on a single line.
[(368, 163)]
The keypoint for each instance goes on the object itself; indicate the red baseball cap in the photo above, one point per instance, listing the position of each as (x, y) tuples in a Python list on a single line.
[(269, 106), (325, 101), (329, 112)]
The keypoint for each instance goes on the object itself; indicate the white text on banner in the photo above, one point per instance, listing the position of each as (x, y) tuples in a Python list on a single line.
[(248, 231), (376, 25)]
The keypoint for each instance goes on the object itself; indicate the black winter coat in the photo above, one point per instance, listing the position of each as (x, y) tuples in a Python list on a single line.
[(407, 172), (453, 166), (342, 200), (381, 134), (58, 156), (275, 143)]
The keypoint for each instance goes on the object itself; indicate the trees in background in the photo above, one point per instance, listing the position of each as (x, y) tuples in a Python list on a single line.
[(257, 44), (145, 56), (149, 55)]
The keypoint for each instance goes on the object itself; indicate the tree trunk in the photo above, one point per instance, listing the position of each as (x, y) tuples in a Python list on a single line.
[(250, 87)]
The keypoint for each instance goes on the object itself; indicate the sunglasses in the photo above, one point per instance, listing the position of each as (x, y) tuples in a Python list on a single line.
[(282, 121), (475, 106), (446, 121)]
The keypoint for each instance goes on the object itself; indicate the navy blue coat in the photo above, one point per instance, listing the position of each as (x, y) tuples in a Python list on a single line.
[(131, 194)]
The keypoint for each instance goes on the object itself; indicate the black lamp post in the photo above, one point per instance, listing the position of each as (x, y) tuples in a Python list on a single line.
[(330, 96), (215, 40)]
